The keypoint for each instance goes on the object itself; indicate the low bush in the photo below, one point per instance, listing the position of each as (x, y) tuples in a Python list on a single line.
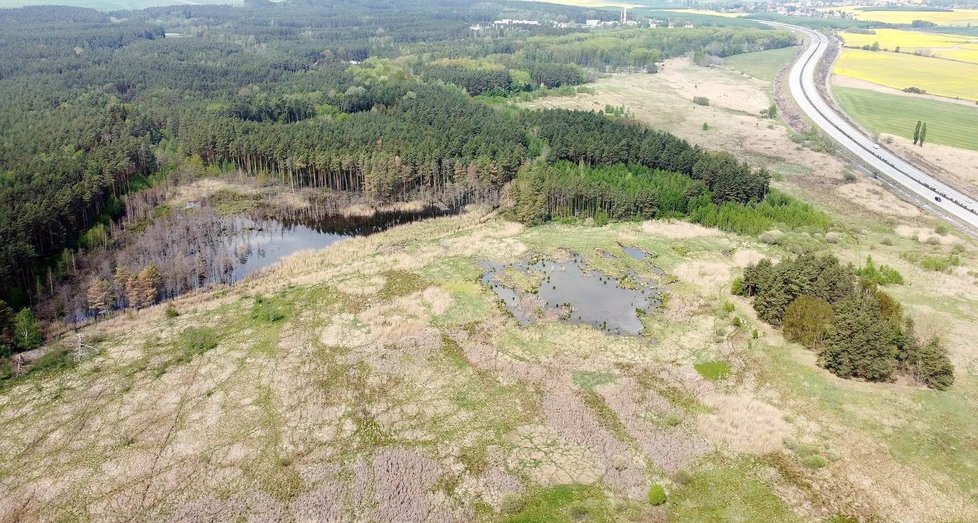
[(880, 274), (171, 311), (737, 286), (267, 310), (657, 495)]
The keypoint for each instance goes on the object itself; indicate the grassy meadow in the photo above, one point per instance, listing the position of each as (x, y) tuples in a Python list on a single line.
[(761, 64), (949, 46), (898, 70), (947, 123)]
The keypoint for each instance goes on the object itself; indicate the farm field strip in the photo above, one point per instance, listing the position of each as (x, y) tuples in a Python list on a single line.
[(954, 47), (947, 123), (946, 78)]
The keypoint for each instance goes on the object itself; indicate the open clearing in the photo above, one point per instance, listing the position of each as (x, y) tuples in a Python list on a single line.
[(761, 64), (900, 71), (948, 124), (953, 47)]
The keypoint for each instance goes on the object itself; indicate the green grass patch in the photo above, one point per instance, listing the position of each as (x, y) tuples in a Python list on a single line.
[(934, 262), (268, 310), (761, 64), (713, 370), (451, 269), (605, 415), (228, 203), (934, 429), (58, 358), (727, 492), (470, 304), (947, 123), (401, 283), (195, 341), (587, 380), (560, 504)]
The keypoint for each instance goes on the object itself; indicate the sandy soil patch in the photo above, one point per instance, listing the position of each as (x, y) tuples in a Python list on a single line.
[(709, 277), (875, 198), (676, 230), (730, 92), (959, 167), (925, 235), (205, 188)]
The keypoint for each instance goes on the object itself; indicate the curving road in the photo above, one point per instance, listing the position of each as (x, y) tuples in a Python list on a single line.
[(801, 81)]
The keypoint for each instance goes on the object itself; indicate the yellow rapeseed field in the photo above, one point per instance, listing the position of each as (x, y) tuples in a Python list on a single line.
[(955, 17), (900, 70), (953, 47)]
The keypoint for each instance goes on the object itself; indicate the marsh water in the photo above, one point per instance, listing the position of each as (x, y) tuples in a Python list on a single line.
[(571, 292), (261, 242)]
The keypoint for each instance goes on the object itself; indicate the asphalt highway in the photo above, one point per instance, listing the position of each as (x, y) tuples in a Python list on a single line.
[(801, 81)]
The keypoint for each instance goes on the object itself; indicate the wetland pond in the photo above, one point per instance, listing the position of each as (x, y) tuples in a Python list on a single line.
[(569, 291), (258, 243)]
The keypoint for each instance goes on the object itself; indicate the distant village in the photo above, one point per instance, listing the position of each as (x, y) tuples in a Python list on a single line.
[(821, 9), (623, 21)]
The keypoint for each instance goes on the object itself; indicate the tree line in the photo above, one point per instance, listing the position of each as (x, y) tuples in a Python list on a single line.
[(591, 139)]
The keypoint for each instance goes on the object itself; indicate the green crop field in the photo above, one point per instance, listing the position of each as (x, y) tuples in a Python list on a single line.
[(762, 64), (947, 123)]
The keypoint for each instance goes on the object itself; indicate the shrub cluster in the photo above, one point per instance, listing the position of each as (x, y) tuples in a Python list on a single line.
[(880, 274), (858, 330)]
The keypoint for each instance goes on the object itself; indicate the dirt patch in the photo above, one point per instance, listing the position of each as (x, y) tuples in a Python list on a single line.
[(676, 230), (958, 167), (874, 198), (925, 235), (709, 277)]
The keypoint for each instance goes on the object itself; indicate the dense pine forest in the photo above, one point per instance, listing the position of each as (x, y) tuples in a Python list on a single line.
[(389, 102)]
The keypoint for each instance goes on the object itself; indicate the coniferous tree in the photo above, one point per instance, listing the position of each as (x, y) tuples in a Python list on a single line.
[(860, 342), (916, 133), (923, 134), (926, 363)]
